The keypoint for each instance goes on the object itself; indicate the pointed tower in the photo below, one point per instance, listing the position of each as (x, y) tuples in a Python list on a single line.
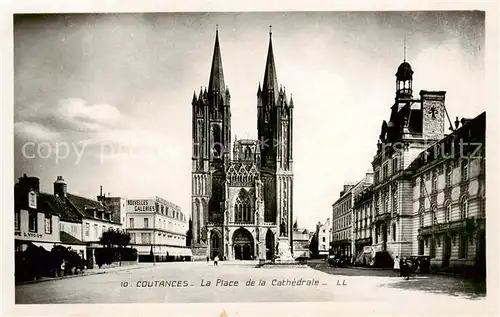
[(274, 125), (211, 149)]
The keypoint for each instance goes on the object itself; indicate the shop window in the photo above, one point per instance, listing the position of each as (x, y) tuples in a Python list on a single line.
[(48, 224), (33, 221)]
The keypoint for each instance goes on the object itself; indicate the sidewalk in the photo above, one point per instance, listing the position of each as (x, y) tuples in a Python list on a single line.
[(90, 272)]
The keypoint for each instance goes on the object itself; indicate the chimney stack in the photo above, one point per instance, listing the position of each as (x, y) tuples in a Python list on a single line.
[(60, 187)]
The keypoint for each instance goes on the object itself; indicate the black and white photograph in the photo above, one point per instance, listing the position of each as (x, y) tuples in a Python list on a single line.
[(250, 157)]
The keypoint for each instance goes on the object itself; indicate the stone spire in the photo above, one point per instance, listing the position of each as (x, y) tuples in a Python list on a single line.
[(270, 79), (216, 82)]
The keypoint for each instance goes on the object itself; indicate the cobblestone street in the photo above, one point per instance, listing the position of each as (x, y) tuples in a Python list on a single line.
[(433, 283), (197, 282)]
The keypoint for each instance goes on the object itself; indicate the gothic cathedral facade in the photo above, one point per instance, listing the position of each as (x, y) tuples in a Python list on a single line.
[(241, 203)]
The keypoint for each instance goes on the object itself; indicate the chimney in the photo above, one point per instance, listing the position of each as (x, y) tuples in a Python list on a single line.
[(30, 183), (60, 187)]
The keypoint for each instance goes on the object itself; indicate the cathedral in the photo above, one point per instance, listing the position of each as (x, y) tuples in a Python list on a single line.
[(241, 203)]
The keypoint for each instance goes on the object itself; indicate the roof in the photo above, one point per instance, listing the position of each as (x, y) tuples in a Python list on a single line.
[(66, 238), (404, 71), (216, 81), (52, 204), (270, 77), (473, 130), (87, 206)]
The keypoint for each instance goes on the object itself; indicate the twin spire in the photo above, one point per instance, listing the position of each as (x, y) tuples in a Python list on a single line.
[(216, 81)]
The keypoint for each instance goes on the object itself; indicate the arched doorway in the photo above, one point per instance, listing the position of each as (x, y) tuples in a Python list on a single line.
[(243, 245), (269, 244), (446, 250), (215, 245)]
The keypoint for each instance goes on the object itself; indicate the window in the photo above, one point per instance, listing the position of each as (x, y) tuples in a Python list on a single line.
[(48, 224), (87, 229), (395, 201), (385, 171), (95, 231), (386, 203), (434, 218), (464, 208), (448, 176), (395, 165), (393, 232), (132, 238), (162, 209), (17, 219), (103, 228), (447, 212), (131, 221), (422, 187), (146, 238), (422, 218), (377, 176), (465, 170), (434, 182), (324, 239), (33, 221)]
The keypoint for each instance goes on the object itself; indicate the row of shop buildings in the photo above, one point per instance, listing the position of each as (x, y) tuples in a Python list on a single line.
[(426, 194), (156, 226)]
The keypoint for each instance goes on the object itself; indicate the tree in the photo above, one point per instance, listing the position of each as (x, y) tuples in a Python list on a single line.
[(115, 238), (313, 246), (189, 233)]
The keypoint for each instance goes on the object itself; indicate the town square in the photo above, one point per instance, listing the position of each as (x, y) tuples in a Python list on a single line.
[(250, 158)]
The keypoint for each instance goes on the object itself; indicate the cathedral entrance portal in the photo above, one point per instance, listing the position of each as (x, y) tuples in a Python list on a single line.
[(243, 245), (269, 245)]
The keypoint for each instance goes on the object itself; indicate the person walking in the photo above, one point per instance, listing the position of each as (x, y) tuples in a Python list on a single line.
[(396, 266), (208, 259), (216, 260)]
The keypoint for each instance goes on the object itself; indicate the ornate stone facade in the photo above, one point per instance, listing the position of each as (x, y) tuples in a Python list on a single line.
[(241, 204)]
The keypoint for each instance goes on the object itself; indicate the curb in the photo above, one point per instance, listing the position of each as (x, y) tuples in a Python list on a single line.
[(48, 279)]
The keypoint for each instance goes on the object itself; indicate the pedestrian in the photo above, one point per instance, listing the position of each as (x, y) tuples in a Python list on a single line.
[(396, 265), (208, 259), (216, 260)]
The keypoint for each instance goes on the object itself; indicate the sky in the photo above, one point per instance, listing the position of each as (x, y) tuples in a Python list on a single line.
[(105, 99)]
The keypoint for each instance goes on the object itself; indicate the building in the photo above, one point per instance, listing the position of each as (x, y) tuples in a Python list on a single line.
[(45, 220), (241, 205), (343, 238), (324, 231), (342, 221), (362, 224), (414, 124), (448, 204), (117, 206), (33, 224), (157, 226), (301, 242)]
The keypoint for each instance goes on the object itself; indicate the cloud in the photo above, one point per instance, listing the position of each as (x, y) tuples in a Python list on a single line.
[(35, 132)]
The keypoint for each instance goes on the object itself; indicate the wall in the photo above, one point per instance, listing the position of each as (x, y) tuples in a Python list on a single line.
[(72, 228), (96, 228), (39, 235)]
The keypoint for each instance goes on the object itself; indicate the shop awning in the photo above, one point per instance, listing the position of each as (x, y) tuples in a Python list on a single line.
[(47, 247), (179, 251)]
